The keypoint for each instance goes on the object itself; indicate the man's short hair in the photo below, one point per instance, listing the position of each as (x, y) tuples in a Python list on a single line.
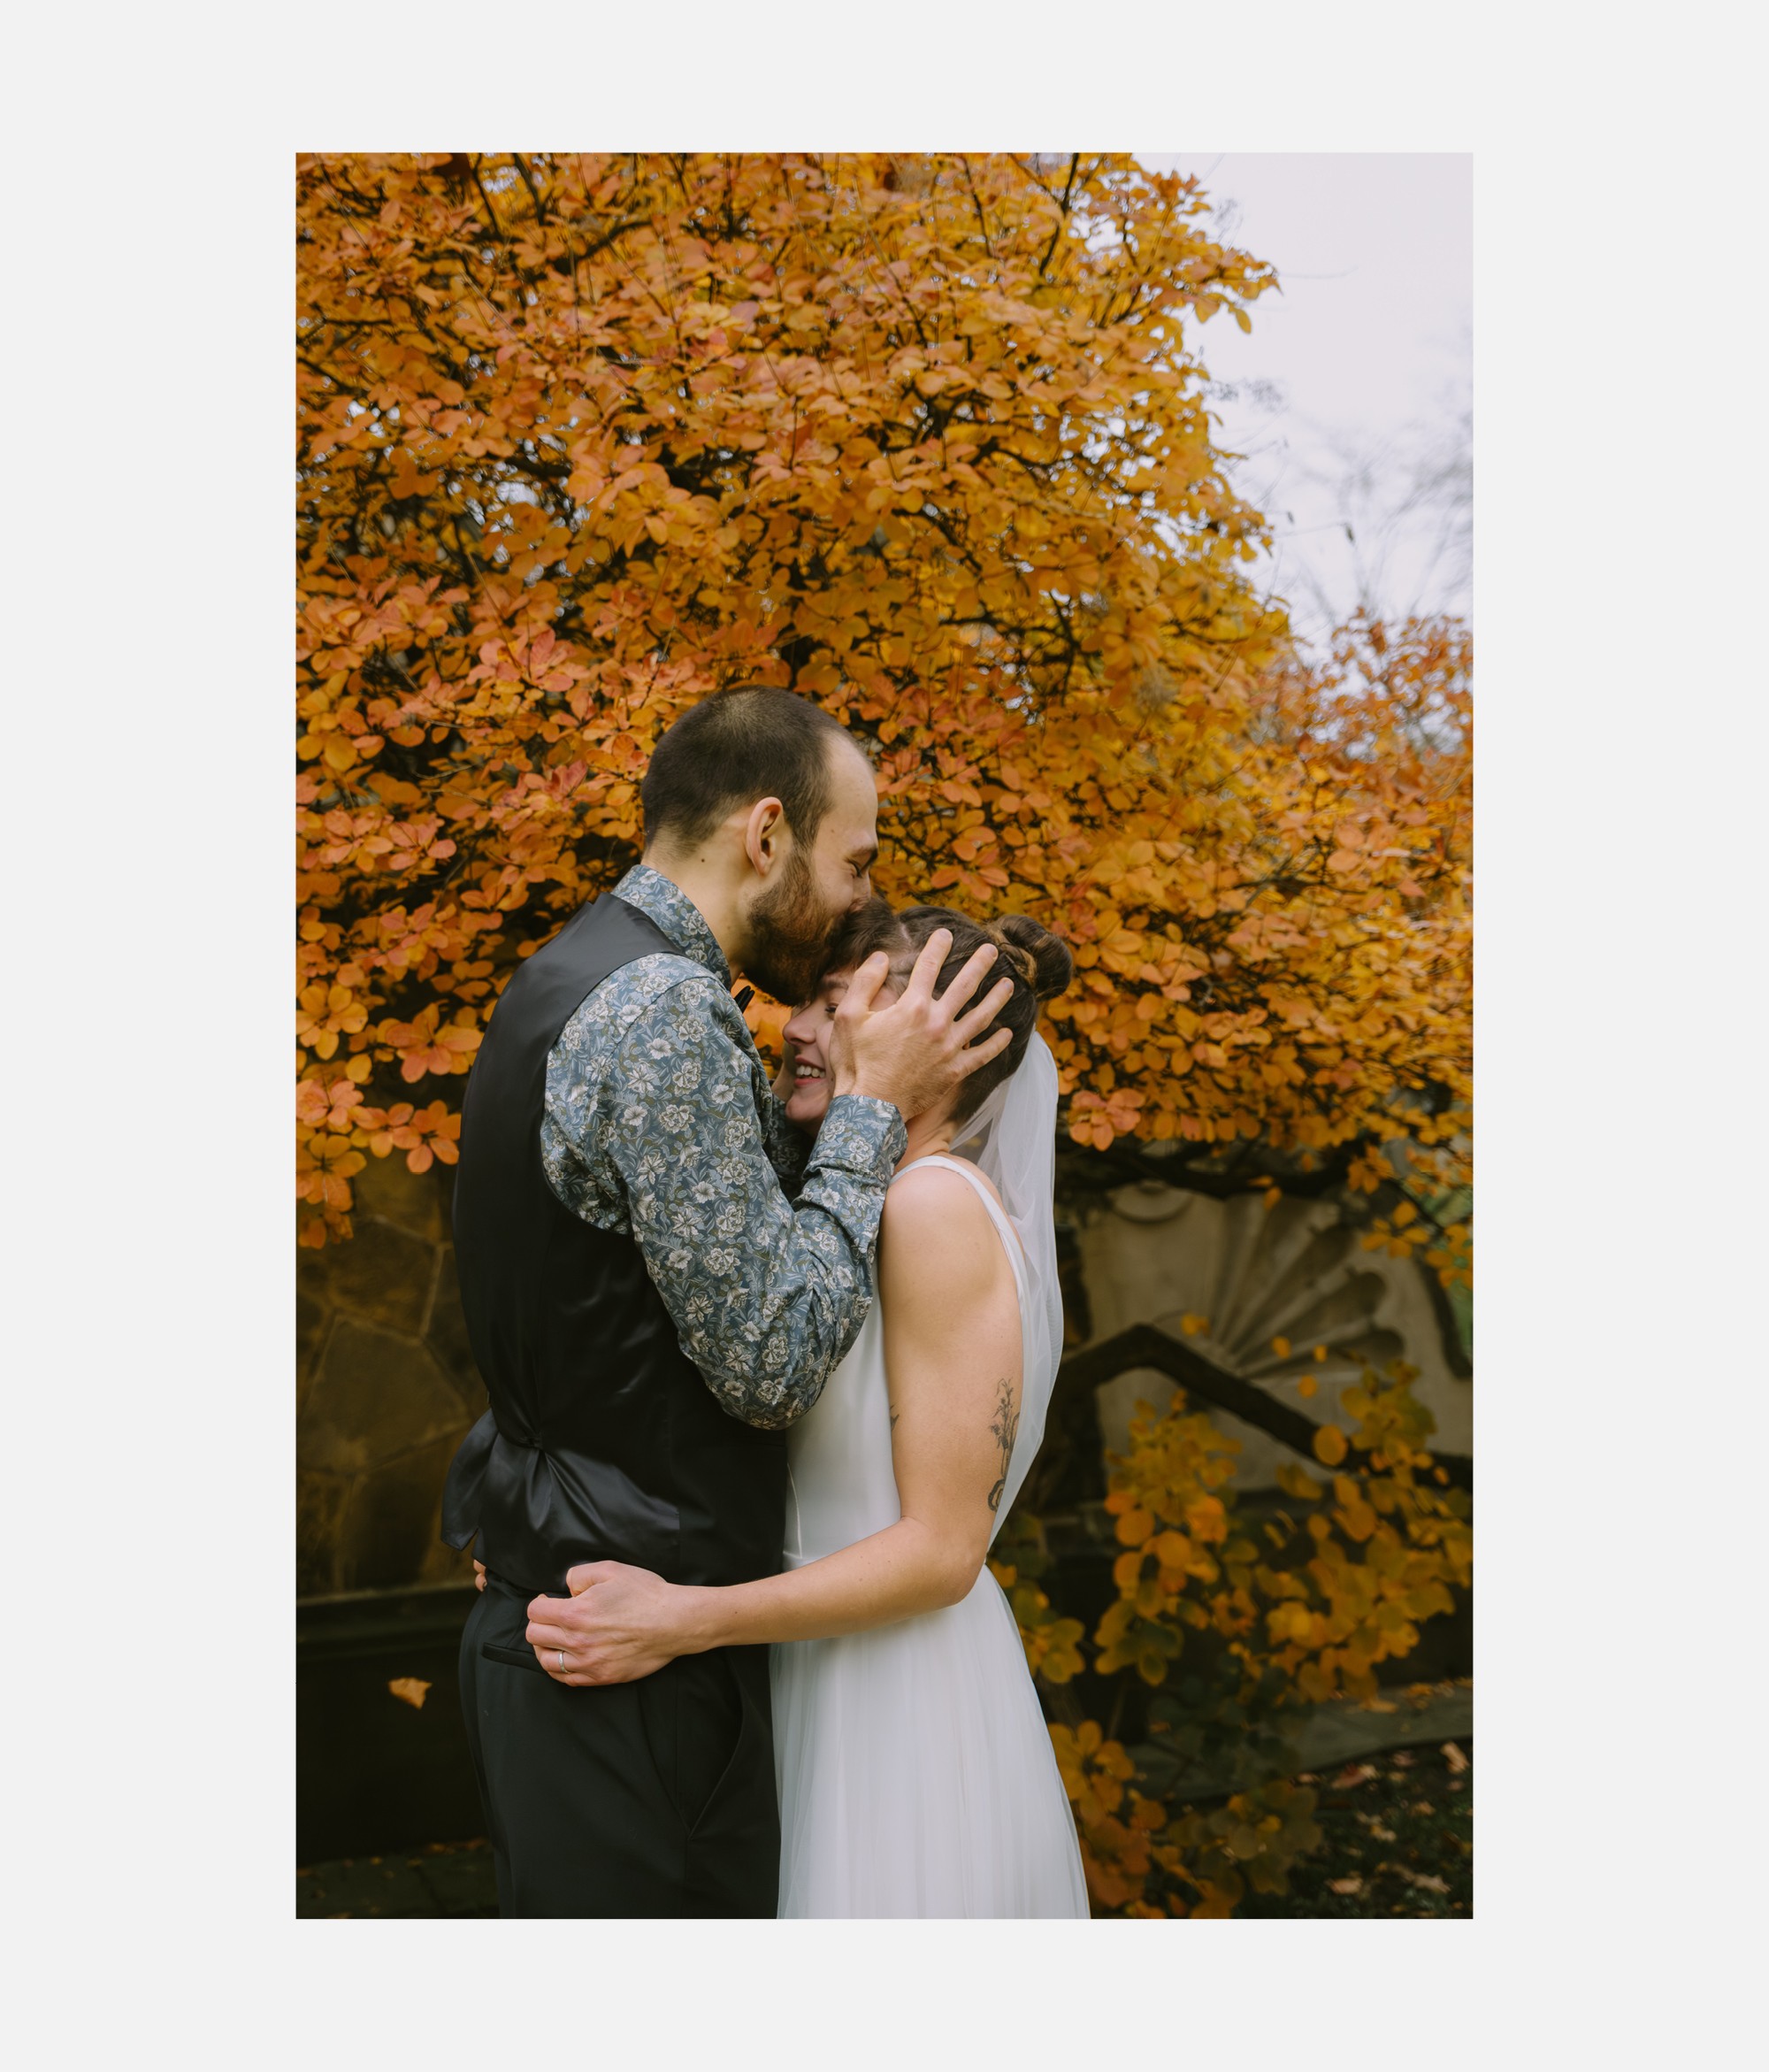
[(732, 748)]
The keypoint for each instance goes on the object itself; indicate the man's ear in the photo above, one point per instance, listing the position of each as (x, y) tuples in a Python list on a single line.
[(765, 835)]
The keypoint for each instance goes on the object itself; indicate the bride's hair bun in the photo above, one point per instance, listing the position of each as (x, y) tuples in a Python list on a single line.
[(1041, 958), (1029, 954)]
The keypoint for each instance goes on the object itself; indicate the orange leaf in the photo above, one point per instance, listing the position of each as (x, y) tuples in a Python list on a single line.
[(1329, 1445)]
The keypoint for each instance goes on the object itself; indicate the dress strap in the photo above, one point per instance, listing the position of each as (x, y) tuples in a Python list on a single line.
[(1004, 1230)]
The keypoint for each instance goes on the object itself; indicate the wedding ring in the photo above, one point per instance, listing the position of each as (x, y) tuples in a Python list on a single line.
[(559, 1651)]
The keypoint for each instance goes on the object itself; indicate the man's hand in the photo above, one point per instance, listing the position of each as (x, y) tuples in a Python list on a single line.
[(619, 1623), (915, 1052)]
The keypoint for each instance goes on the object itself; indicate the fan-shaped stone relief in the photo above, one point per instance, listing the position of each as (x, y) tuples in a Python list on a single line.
[(1294, 1271)]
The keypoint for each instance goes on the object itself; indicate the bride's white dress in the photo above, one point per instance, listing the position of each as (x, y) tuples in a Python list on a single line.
[(915, 1771)]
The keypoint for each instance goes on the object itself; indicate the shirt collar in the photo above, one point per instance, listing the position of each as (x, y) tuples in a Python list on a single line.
[(669, 909)]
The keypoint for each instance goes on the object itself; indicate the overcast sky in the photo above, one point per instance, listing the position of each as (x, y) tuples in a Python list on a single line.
[(1349, 398)]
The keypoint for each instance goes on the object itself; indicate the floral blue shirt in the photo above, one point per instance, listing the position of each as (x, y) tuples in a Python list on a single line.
[(661, 1123)]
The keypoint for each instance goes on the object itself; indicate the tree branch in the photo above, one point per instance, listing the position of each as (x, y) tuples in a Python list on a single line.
[(1072, 1426)]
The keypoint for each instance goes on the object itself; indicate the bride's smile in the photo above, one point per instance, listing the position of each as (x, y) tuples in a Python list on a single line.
[(808, 1034)]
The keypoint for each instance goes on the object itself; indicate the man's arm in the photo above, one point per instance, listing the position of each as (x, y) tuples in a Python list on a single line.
[(951, 1348), (767, 1294)]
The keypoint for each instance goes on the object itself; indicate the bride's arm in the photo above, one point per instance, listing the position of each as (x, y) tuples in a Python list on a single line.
[(952, 1352)]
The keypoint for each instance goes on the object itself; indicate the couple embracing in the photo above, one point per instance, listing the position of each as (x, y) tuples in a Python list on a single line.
[(767, 1365)]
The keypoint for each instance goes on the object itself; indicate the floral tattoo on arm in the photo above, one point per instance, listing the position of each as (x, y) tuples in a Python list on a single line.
[(1005, 1426)]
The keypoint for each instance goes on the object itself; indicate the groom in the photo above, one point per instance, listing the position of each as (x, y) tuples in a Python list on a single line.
[(657, 1281)]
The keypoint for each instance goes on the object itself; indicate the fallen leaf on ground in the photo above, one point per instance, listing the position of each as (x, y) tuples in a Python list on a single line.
[(1347, 1887), (1454, 1757), (409, 1691)]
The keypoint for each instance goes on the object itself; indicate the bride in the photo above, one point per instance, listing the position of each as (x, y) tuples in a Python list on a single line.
[(916, 1774)]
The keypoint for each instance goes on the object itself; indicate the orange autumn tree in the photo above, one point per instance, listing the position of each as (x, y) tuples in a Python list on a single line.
[(585, 438)]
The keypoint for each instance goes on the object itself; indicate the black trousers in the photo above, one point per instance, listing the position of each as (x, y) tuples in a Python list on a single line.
[(653, 1799)]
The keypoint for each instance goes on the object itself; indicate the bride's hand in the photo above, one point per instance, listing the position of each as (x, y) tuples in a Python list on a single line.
[(619, 1623)]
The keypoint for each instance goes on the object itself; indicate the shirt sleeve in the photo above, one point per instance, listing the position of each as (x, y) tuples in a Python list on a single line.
[(766, 1293)]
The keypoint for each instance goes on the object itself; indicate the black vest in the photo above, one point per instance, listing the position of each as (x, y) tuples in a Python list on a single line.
[(603, 1441)]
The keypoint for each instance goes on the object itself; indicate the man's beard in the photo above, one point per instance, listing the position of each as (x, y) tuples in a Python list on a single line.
[(791, 933)]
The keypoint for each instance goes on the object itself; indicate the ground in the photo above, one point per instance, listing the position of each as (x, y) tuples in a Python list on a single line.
[(443, 1881), (1397, 1842)]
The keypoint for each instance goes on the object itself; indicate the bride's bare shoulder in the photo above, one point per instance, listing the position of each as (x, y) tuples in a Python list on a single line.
[(931, 1209)]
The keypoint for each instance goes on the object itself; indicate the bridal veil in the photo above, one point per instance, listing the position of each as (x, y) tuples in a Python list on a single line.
[(1012, 1140)]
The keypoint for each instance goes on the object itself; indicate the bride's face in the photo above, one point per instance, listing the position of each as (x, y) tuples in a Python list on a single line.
[(809, 1033)]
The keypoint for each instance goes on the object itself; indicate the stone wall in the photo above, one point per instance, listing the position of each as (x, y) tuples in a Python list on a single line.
[(386, 1389)]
